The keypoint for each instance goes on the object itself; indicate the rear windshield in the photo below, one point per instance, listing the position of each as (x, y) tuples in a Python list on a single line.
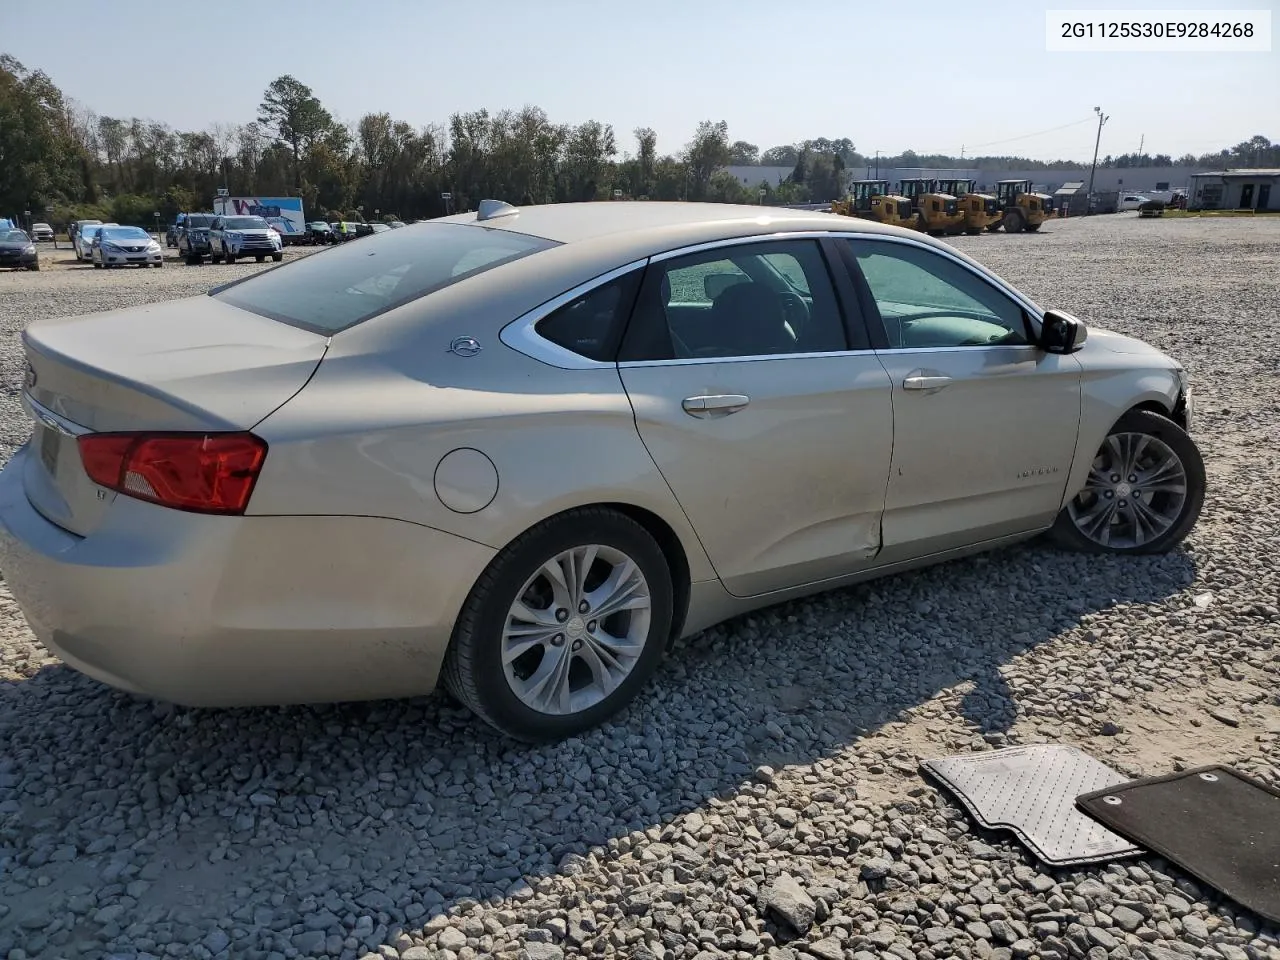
[(347, 284), (244, 223)]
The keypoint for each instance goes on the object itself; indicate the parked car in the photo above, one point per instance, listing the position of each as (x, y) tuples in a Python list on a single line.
[(121, 246), (396, 224), (379, 227), (41, 233), (319, 232), (84, 239), (518, 451), (193, 238), (18, 250), (233, 237), (1132, 201)]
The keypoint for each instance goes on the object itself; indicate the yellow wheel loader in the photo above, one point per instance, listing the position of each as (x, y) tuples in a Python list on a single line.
[(980, 209), (871, 200), (1020, 209), (935, 212)]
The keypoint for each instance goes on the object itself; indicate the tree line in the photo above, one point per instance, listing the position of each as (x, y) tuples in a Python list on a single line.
[(54, 152)]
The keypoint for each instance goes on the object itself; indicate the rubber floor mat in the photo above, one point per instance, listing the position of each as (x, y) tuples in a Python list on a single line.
[(1032, 791), (1219, 825)]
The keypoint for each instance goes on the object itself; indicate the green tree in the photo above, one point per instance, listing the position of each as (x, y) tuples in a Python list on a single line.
[(743, 153), (706, 153), (296, 117)]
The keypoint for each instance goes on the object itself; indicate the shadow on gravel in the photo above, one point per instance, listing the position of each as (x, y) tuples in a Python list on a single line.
[(326, 830)]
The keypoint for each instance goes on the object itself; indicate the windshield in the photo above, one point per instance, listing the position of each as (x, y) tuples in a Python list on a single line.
[(124, 233), (14, 236), (199, 220), (346, 285), (245, 223)]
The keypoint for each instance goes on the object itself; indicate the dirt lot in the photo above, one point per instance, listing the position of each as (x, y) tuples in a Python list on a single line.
[(782, 743)]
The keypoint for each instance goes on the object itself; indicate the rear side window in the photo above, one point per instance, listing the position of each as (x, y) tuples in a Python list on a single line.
[(348, 284), (591, 325)]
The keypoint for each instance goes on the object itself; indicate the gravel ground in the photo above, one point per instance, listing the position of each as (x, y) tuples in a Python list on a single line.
[(762, 798)]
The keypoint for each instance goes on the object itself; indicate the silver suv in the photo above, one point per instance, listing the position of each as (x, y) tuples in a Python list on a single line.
[(234, 237)]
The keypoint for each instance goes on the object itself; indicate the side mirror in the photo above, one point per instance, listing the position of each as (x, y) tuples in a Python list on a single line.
[(1062, 333)]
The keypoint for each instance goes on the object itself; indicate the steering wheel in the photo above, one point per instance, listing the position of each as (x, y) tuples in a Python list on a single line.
[(795, 310)]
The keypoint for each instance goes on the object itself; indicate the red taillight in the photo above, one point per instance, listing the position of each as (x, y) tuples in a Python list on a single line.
[(199, 472)]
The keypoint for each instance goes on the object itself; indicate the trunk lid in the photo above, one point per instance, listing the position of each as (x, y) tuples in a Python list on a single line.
[(193, 364)]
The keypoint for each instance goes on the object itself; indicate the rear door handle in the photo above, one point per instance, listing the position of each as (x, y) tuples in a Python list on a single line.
[(718, 405), (925, 383)]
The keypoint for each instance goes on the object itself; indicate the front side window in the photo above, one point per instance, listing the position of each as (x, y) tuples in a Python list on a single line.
[(350, 284), (927, 300), (746, 300)]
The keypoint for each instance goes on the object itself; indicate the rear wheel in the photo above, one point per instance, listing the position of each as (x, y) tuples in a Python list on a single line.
[(1145, 490), (1032, 227), (973, 231), (993, 227), (563, 628)]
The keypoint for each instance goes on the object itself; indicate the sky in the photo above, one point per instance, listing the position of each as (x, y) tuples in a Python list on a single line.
[(928, 76)]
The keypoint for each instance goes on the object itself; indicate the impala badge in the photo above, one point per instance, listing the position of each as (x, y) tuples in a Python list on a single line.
[(465, 347)]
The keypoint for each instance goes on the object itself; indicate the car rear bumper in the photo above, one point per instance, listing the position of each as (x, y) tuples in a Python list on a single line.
[(236, 611)]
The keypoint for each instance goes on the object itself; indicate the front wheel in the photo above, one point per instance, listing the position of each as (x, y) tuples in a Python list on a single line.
[(563, 628), (277, 257), (1144, 493)]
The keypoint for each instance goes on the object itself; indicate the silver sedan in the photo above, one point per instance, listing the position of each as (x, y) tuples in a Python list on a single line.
[(526, 450)]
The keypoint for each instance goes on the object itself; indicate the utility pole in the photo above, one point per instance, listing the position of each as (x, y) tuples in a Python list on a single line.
[(1141, 143), (1102, 118)]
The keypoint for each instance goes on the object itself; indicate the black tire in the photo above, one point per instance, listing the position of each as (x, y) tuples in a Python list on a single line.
[(993, 227), (229, 257), (1065, 533), (973, 231), (473, 672), (193, 261), (1032, 227), (277, 257), (1013, 222), (97, 265), (35, 266), (215, 257), (260, 257)]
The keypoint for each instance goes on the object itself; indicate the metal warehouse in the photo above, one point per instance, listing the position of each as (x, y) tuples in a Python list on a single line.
[(1235, 190)]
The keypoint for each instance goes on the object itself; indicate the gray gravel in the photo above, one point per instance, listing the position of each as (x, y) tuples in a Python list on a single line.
[(762, 798)]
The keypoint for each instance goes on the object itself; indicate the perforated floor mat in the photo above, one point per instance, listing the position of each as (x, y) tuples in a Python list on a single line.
[(1216, 823), (1032, 791)]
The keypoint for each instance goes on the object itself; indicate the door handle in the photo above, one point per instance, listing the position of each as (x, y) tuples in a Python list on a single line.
[(718, 405), (919, 382)]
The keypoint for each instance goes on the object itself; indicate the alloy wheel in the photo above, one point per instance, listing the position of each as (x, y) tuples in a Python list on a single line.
[(577, 629), (1136, 492)]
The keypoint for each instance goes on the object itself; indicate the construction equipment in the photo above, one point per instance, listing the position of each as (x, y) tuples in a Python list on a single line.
[(935, 212), (980, 209), (1020, 209), (871, 200)]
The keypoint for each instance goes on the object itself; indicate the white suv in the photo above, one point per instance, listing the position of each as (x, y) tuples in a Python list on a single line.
[(234, 237)]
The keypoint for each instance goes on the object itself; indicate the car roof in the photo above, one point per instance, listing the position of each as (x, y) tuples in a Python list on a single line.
[(660, 225)]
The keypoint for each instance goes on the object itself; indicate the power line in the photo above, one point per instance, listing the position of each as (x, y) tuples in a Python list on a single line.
[(1028, 136)]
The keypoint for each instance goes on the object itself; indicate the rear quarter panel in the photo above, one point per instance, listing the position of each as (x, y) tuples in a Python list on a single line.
[(367, 433)]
